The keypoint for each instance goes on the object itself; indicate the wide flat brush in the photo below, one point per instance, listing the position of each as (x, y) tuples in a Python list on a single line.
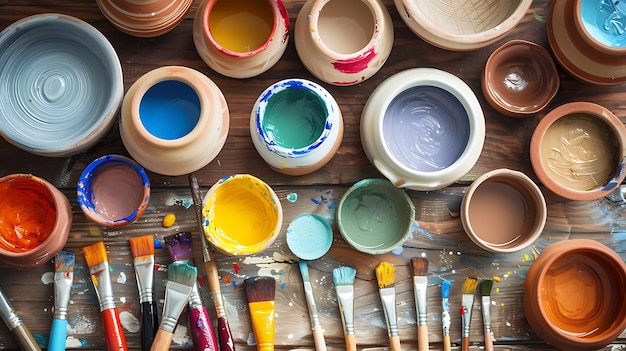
[(97, 260), (13, 321), (445, 314), (180, 280), (260, 292), (143, 253), (386, 276), (485, 293), (180, 247), (318, 331), (467, 303), (343, 278), (63, 279), (225, 335), (419, 270)]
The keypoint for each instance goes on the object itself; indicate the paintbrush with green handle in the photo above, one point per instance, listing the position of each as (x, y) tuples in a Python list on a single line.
[(343, 278), (386, 276), (485, 293), (467, 302)]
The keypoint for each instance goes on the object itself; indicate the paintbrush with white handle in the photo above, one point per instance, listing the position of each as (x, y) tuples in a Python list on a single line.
[(386, 276)]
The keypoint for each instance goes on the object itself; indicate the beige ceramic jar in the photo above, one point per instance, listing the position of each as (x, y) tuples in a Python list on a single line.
[(145, 18), (241, 39), (343, 42), (174, 120)]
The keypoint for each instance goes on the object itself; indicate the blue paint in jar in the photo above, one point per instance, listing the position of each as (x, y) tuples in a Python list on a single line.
[(170, 109), (605, 21)]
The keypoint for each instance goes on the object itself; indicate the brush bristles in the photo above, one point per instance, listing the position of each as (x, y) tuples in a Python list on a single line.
[(304, 270), (485, 287), (64, 261), (344, 275), (469, 285), (182, 273), (260, 288), (95, 254), (142, 246), (419, 266), (445, 289), (179, 246), (385, 275)]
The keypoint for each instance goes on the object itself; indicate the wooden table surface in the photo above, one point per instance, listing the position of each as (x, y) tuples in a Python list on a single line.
[(437, 233)]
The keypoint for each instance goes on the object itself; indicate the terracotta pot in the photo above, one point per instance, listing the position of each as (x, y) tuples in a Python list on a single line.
[(343, 42), (578, 151), (174, 120), (43, 215), (144, 18), (241, 40), (574, 295)]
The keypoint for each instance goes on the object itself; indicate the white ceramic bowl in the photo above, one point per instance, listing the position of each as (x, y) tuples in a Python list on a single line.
[(61, 85)]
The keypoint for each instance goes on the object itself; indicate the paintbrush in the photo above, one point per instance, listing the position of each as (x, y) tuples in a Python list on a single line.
[(419, 269), (260, 292), (96, 257), (318, 332), (485, 292), (13, 321), (63, 279), (180, 280), (467, 302), (386, 275), (224, 333), (143, 252), (343, 278), (445, 314), (180, 248)]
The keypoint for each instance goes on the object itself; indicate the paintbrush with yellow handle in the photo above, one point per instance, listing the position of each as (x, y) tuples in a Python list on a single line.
[(419, 270), (467, 303), (485, 293), (386, 276), (260, 292)]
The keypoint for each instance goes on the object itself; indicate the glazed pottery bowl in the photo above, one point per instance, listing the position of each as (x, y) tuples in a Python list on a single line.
[(520, 78), (113, 191), (375, 217), (578, 151), (174, 120), (41, 214), (144, 18), (242, 215), (309, 236), (423, 128), (61, 84), (503, 211), (574, 295), (461, 25), (296, 126)]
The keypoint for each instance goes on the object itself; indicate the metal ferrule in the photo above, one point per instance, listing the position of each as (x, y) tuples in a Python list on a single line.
[(10, 318), (101, 280), (176, 297), (388, 298), (144, 271), (486, 315), (308, 293), (345, 299), (467, 313), (195, 299), (421, 284), (62, 287), (218, 301), (445, 317)]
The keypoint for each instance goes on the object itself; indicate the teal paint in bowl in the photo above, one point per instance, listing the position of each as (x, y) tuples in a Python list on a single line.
[(605, 21), (375, 217), (309, 236)]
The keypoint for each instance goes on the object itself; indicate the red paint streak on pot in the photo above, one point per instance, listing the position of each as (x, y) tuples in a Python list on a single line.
[(355, 64)]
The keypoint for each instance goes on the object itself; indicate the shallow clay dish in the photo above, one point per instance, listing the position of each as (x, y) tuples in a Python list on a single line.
[(144, 18)]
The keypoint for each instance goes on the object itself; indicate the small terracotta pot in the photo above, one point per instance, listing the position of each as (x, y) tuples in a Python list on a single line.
[(144, 18), (242, 39), (343, 42), (174, 120), (578, 151), (41, 211), (574, 295)]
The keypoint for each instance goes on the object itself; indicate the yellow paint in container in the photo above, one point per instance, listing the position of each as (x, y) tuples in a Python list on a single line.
[(241, 26)]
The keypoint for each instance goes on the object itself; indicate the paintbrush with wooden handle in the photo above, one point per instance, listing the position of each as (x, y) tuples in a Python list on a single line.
[(343, 278), (13, 321), (467, 303), (485, 293), (419, 269), (386, 276)]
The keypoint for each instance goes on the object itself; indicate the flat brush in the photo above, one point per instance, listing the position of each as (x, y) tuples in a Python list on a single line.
[(445, 314), (386, 275), (97, 260), (318, 332), (180, 247), (180, 280), (224, 333), (343, 278), (260, 292), (419, 270), (485, 293), (467, 303), (13, 321), (63, 279), (143, 253)]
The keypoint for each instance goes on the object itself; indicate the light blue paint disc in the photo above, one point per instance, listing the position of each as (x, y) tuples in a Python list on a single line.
[(309, 236)]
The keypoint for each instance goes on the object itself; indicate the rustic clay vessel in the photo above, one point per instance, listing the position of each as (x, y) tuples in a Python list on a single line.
[(574, 295), (461, 25), (174, 120), (241, 39), (343, 42), (577, 32), (296, 126), (578, 151), (520, 78), (44, 214), (503, 211), (145, 18)]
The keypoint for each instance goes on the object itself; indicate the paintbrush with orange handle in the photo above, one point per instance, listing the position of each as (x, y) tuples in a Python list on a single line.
[(386, 276), (260, 292), (485, 293), (467, 303), (419, 270)]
